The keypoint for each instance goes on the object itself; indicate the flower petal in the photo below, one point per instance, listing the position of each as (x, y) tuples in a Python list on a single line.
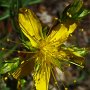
[(25, 69), (41, 78), (60, 33), (30, 25)]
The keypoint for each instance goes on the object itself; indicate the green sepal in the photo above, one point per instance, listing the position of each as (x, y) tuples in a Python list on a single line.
[(28, 45)]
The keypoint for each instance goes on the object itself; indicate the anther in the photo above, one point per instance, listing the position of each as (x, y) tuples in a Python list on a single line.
[(71, 35), (69, 65), (55, 82), (8, 39), (66, 88), (74, 81), (5, 78), (82, 66), (82, 29), (18, 51), (22, 62), (68, 14), (56, 18), (3, 49)]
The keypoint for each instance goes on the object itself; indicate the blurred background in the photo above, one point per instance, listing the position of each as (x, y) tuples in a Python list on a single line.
[(46, 10)]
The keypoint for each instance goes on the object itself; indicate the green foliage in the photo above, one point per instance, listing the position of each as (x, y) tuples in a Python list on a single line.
[(75, 11), (5, 53), (8, 4), (30, 2), (23, 81), (9, 65), (3, 85), (5, 3), (80, 52), (4, 15)]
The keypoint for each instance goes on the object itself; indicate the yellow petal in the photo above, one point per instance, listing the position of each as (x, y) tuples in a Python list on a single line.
[(25, 69), (30, 25), (60, 33), (41, 78)]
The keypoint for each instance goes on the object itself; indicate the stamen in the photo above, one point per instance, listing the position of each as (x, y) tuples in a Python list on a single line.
[(68, 14), (8, 40), (69, 65), (5, 78), (75, 81), (82, 29), (56, 83), (50, 30), (74, 63), (18, 51), (66, 88), (3, 49)]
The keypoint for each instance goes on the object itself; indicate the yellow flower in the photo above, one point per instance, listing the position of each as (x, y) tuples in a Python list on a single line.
[(48, 52)]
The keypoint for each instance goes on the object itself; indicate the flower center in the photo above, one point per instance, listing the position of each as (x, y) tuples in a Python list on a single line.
[(46, 48)]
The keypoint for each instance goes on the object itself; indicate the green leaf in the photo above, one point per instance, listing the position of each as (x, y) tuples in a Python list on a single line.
[(45, 31), (34, 2), (75, 7), (5, 53), (75, 11), (5, 3), (79, 52), (4, 15), (30, 2), (23, 81), (27, 44), (9, 65), (84, 13)]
